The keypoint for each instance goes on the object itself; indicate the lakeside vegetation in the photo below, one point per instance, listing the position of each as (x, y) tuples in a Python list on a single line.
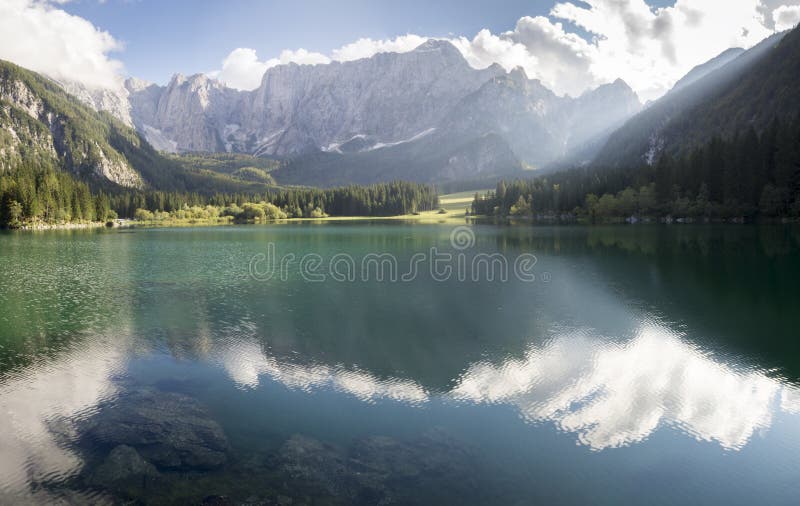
[(43, 195), (746, 177)]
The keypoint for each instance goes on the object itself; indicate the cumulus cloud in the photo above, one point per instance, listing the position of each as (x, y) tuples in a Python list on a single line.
[(786, 17), (577, 46), (652, 48), (561, 60), (43, 38), (614, 395), (242, 69), (364, 48), (649, 48)]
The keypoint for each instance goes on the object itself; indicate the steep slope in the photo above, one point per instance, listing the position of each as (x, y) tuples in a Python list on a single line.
[(43, 128), (40, 123), (424, 115), (509, 123), (750, 90), (391, 97), (539, 126), (598, 113), (702, 70), (527, 115), (190, 112), (300, 109), (431, 158)]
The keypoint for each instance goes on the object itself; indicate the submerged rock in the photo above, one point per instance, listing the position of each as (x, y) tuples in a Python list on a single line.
[(170, 430), (375, 469), (314, 466), (124, 469)]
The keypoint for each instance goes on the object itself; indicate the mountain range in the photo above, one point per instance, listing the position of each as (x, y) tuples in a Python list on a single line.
[(424, 116)]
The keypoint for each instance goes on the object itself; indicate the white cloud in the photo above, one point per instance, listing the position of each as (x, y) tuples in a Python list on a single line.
[(651, 49), (786, 17), (608, 394), (38, 36), (364, 48), (544, 49), (242, 69), (648, 48)]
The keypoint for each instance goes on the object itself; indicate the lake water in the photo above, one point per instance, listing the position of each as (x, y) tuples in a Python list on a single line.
[(614, 365)]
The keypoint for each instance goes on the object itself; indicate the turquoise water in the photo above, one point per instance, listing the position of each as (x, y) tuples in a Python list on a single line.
[(654, 365)]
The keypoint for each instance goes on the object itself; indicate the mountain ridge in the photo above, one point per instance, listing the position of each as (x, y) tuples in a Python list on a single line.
[(389, 99), (693, 114)]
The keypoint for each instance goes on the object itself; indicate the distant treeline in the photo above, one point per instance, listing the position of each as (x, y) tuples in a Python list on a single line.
[(748, 175), (30, 194)]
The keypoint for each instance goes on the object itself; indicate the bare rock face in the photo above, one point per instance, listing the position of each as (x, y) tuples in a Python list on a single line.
[(429, 100), (170, 430), (389, 96), (105, 162), (112, 100)]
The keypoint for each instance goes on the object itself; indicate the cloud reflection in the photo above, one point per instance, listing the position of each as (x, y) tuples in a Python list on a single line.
[(245, 363), (35, 405), (613, 395), (610, 394)]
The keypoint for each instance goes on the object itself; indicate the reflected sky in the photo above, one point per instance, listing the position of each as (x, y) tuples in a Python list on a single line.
[(38, 406), (608, 394), (613, 354)]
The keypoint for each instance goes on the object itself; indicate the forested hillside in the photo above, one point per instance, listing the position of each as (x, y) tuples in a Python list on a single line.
[(725, 145), (61, 161), (745, 176), (750, 91)]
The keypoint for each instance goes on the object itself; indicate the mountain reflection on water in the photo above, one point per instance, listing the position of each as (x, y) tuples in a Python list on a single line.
[(609, 394), (310, 383)]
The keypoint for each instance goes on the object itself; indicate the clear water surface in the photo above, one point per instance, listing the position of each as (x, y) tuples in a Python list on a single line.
[(643, 365)]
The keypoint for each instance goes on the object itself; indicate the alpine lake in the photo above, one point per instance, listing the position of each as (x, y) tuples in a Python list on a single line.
[(382, 362)]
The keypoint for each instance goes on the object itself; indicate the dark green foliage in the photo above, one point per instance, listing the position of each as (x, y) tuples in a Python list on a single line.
[(750, 91), (224, 163), (71, 137), (253, 174), (387, 199), (29, 194), (747, 175)]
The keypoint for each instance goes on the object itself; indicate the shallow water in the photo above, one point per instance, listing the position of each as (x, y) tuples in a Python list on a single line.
[(653, 365)]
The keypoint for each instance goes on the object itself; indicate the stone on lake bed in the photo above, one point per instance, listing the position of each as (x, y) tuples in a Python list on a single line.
[(124, 469), (374, 469), (170, 430)]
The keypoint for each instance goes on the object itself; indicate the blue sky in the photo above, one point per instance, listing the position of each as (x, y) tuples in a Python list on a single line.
[(165, 37), (569, 45)]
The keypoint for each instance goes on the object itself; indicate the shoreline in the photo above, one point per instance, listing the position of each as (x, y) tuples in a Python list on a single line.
[(425, 217), (62, 226)]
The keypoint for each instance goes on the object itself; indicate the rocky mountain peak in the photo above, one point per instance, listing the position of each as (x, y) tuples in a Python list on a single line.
[(617, 90), (432, 45), (134, 84), (383, 102)]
